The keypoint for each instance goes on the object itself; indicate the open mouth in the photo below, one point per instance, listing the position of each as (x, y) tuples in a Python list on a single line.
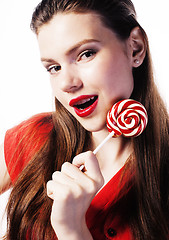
[(84, 105)]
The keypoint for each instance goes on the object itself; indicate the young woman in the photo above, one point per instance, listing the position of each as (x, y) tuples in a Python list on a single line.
[(97, 54)]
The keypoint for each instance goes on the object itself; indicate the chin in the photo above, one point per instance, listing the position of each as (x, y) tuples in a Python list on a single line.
[(95, 128)]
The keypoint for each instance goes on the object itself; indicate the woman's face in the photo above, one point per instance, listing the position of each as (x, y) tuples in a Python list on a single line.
[(90, 68)]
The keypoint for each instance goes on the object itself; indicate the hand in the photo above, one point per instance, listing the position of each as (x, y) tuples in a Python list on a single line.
[(72, 192)]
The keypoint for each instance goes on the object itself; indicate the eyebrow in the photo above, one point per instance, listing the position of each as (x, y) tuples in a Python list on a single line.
[(72, 49)]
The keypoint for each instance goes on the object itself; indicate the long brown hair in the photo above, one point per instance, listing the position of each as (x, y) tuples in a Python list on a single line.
[(29, 207)]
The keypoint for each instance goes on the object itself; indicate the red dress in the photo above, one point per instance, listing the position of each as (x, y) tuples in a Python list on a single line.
[(109, 214)]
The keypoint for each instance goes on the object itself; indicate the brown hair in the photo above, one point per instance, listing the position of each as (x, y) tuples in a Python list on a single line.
[(29, 207)]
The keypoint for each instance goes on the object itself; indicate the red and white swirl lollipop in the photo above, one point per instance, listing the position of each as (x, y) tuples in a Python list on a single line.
[(128, 118)]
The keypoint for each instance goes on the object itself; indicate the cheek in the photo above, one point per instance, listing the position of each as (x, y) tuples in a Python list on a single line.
[(55, 89), (107, 68), (117, 76)]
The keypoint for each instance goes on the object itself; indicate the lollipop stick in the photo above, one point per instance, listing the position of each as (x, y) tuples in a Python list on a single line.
[(103, 142), (99, 146)]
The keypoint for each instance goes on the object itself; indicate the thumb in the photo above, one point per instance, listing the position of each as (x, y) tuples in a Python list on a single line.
[(91, 164)]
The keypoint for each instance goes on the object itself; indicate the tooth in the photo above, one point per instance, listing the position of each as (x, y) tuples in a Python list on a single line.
[(84, 101)]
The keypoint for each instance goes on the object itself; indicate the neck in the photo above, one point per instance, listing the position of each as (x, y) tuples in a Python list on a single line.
[(113, 155)]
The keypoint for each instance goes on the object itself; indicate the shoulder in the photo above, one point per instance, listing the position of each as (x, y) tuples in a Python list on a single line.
[(24, 140), (32, 128)]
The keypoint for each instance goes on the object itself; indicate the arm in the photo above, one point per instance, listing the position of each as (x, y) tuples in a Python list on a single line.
[(72, 192), (5, 181)]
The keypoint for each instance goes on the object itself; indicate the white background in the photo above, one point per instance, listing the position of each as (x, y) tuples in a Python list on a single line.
[(24, 84)]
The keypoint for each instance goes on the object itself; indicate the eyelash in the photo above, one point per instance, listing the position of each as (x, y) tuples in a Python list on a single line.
[(57, 68), (89, 51), (53, 67)]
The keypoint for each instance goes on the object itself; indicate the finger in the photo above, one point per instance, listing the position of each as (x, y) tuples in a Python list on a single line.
[(73, 173), (89, 160), (63, 178), (78, 179), (57, 190), (69, 169), (51, 188), (77, 182), (64, 192)]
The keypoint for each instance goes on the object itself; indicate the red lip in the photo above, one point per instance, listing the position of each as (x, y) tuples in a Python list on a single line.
[(83, 112)]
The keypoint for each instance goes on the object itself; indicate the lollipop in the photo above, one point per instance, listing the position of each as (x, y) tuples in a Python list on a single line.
[(128, 118)]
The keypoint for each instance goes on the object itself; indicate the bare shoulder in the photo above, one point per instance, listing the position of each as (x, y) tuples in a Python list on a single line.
[(5, 181)]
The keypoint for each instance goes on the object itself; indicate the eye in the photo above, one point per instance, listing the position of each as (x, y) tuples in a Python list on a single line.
[(54, 69), (86, 55)]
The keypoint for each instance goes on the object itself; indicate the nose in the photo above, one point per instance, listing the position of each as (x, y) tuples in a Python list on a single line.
[(70, 80)]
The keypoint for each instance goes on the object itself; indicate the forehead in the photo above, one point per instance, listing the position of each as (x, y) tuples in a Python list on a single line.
[(71, 23), (64, 30)]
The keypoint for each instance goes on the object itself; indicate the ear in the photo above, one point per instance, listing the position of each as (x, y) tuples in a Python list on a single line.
[(138, 47)]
